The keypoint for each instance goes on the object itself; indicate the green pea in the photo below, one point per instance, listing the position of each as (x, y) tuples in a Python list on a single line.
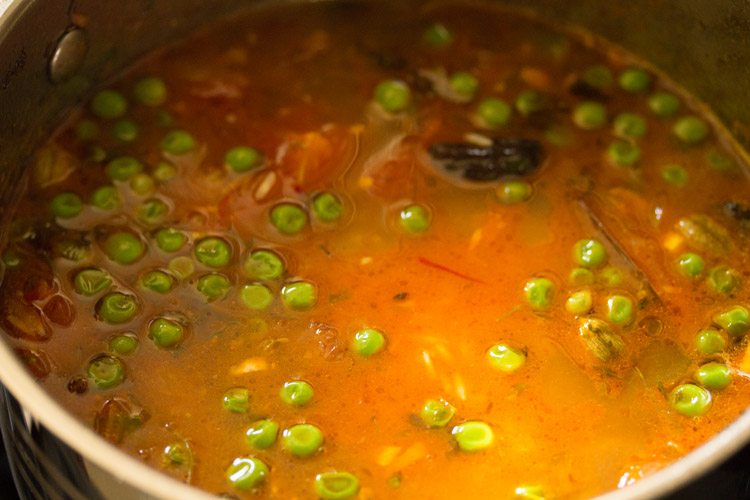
[(299, 295), (714, 376), (246, 474), (719, 161), (529, 102), (123, 168), (256, 296), (106, 371), (539, 293), (464, 84), (288, 218), (142, 184), (620, 310), (177, 142), (178, 453), (610, 276), (663, 104), (296, 393), (436, 413), (629, 125), (109, 104), (170, 239), (690, 400), (243, 159), (123, 344), (589, 253), (95, 153), (395, 480), (558, 135), (710, 341), (92, 281), (690, 129), (182, 267), (262, 434), (599, 77), (505, 358), (123, 247), (437, 36), (256, 326), (393, 95), (150, 91), (579, 302), (690, 264), (735, 321), (494, 112), (581, 276), (302, 440), (164, 119), (473, 435), (336, 485), (327, 207), (157, 281), (213, 251), (264, 265), (166, 333), (513, 192), (634, 80), (11, 258), (116, 308), (623, 153), (590, 115), (414, 219), (66, 205), (368, 341), (213, 286), (152, 211), (236, 400), (125, 131), (164, 171), (106, 198), (675, 175), (724, 279), (87, 130)]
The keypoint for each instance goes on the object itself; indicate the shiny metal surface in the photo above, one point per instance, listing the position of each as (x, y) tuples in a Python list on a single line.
[(68, 55), (42, 466), (700, 43)]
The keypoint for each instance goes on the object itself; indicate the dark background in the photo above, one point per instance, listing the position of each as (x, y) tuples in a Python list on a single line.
[(7, 488)]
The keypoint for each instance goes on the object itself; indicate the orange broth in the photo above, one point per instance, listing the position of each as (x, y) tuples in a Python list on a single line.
[(297, 84)]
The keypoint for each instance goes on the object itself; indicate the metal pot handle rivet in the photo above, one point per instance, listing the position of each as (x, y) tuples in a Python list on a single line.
[(68, 55)]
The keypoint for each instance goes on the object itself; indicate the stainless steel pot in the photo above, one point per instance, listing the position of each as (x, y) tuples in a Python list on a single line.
[(53, 52)]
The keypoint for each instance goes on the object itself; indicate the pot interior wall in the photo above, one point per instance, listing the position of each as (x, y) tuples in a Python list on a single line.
[(700, 43)]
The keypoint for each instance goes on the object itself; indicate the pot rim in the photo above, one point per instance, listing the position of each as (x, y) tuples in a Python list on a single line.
[(82, 439), (37, 403), (127, 469), (93, 448), (691, 466)]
